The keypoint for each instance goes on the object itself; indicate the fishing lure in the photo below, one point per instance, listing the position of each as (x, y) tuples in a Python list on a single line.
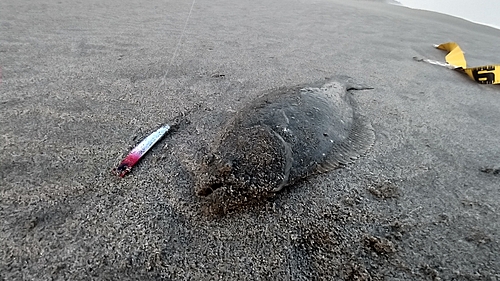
[(142, 148)]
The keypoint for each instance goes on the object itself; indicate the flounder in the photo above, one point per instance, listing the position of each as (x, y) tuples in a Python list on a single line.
[(281, 138)]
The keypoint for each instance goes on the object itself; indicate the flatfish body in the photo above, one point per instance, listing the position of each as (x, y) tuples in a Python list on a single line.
[(282, 137)]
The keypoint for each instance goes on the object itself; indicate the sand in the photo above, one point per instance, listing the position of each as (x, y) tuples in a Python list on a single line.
[(82, 82)]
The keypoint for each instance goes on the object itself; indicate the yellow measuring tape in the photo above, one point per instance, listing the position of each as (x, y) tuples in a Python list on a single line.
[(488, 74)]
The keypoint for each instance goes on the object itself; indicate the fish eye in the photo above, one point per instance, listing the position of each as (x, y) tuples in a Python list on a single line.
[(208, 159)]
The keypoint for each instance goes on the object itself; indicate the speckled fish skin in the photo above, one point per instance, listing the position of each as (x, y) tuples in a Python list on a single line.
[(282, 137)]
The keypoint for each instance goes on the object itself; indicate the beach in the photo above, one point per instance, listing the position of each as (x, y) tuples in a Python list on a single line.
[(83, 82)]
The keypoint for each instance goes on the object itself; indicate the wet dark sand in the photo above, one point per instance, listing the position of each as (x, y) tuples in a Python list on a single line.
[(83, 82)]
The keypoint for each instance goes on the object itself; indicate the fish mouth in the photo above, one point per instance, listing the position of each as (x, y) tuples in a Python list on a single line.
[(208, 189)]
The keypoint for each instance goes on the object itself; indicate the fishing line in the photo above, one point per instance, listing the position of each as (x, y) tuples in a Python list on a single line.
[(143, 147), (178, 43)]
